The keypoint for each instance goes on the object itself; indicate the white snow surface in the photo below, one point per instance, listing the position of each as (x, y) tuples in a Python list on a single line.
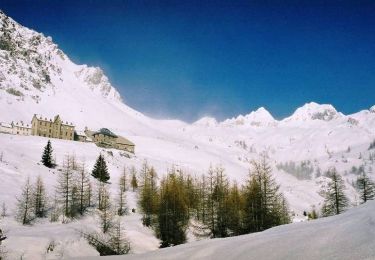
[(347, 236), (84, 96)]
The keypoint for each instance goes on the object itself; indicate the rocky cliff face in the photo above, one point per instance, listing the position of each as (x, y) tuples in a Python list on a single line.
[(31, 64)]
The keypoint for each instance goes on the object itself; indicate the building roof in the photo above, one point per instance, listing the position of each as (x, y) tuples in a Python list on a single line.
[(40, 118), (5, 125), (21, 124), (80, 133), (123, 140), (105, 131)]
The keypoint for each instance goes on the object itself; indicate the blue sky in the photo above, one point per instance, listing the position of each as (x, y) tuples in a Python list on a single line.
[(172, 59)]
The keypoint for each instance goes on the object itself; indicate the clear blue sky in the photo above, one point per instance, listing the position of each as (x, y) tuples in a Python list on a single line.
[(221, 58)]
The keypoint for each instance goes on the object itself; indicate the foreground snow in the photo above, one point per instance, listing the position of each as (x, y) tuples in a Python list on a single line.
[(347, 236)]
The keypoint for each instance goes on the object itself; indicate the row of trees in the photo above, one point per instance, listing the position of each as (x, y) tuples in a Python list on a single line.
[(215, 206), (75, 194)]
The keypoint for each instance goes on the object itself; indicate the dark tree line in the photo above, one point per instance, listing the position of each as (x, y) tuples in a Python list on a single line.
[(215, 206)]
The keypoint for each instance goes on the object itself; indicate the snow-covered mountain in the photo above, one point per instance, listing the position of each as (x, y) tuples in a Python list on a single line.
[(260, 117), (36, 77), (314, 111)]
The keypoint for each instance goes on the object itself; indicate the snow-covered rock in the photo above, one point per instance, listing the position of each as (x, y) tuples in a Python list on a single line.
[(314, 111), (372, 109)]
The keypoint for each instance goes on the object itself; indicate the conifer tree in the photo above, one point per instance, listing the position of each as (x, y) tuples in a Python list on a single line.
[(220, 201), (191, 189), (252, 206), (55, 211), (40, 198), (84, 190), (75, 204), (47, 155), (235, 206), (100, 171), (148, 195), (117, 241), (89, 195), (134, 181), (106, 215), (25, 207), (122, 208), (282, 211), (211, 209), (335, 200), (366, 187), (203, 201), (265, 207), (173, 214), (65, 184)]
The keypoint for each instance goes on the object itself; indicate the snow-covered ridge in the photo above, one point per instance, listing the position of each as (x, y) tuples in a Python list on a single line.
[(31, 63)]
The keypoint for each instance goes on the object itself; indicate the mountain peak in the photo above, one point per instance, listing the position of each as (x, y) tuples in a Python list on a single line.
[(31, 64), (206, 122), (372, 109), (314, 111), (259, 117)]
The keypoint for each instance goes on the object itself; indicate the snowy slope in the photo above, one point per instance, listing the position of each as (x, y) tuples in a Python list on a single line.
[(347, 236), (21, 159)]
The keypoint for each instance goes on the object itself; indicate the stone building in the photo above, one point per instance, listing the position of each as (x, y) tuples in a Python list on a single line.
[(20, 128), (55, 128), (124, 144), (6, 128), (105, 138), (80, 136)]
